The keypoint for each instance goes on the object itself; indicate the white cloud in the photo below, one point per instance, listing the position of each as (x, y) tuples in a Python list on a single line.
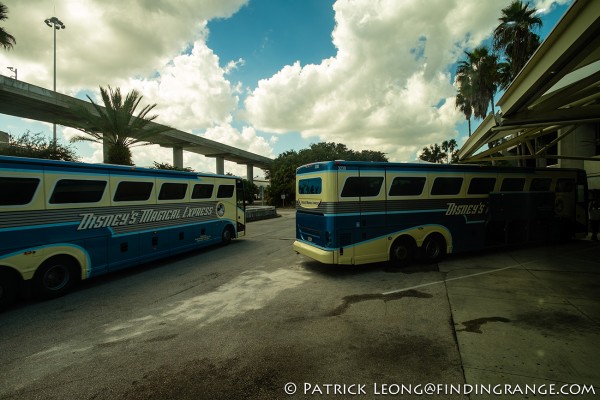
[(384, 87)]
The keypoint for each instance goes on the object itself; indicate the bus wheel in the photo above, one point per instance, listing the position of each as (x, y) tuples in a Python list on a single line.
[(227, 235), (55, 277), (434, 248), (402, 252), (8, 288)]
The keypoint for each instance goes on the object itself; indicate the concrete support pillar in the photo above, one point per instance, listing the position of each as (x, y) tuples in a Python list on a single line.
[(579, 143), (178, 157), (220, 165), (250, 172)]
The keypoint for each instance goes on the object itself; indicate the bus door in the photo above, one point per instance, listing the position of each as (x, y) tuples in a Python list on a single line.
[(361, 214), (240, 208), (347, 213), (373, 240)]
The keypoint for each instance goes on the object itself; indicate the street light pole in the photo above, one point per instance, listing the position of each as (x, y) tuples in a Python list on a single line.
[(56, 24), (13, 69)]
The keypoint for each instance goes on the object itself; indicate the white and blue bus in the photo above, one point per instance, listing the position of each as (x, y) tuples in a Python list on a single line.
[(366, 212), (61, 222)]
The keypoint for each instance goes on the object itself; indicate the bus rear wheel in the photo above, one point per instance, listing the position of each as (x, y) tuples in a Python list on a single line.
[(434, 248), (8, 288), (55, 277), (402, 252)]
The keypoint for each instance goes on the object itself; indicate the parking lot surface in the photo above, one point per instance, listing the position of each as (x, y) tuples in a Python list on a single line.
[(254, 320)]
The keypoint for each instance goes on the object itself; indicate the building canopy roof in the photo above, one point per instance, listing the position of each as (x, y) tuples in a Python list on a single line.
[(559, 88)]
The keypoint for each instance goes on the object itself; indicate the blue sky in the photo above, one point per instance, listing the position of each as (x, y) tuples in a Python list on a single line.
[(264, 75)]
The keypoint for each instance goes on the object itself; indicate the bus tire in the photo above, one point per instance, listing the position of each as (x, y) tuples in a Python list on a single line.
[(402, 251), (55, 277), (227, 235), (433, 249), (9, 288)]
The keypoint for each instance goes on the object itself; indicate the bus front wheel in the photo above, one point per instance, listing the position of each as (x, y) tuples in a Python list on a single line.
[(402, 252), (434, 248), (55, 277), (8, 288), (227, 235)]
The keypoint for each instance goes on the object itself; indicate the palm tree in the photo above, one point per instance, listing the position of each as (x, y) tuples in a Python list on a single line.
[(449, 147), (515, 35), (6, 39), (479, 72), (115, 125), (463, 102)]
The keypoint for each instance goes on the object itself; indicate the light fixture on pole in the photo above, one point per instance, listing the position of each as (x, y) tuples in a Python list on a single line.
[(57, 25), (13, 70)]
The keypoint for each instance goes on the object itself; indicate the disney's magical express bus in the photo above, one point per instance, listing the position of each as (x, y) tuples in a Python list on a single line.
[(62, 221), (365, 212)]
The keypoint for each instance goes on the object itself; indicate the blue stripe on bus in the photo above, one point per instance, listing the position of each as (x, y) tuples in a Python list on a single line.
[(29, 227)]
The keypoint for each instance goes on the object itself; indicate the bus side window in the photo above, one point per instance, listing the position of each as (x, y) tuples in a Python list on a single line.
[(540, 184), (481, 185), (362, 186), (172, 191), (407, 186), (512, 185), (202, 191), (17, 191), (67, 191), (133, 191), (565, 185), (446, 186), (225, 191)]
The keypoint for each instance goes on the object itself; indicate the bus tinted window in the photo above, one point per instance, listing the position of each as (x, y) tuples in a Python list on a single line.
[(202, 191), (407, 186), (69, 191), (481, 185), (225, 191), (540, 184), (565, 185), (512, 185), (362, 186), (17, 191), (310, 186), (133, 191), (172, 191), (446, 186)]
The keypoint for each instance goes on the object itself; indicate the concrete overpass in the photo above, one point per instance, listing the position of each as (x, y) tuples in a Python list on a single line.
[(21, 99)]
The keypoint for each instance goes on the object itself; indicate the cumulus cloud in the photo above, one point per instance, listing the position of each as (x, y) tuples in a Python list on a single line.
[(103, 39), (388, 87)]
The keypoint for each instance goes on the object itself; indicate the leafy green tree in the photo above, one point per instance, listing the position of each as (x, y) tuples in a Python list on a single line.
[(6, 39), (36, 145), (282, 174), (433, 154), (250, 191), (171, 167), (516, 37), (115, 125)]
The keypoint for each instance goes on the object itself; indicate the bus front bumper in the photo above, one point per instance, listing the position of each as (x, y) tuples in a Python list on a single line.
[(324, 256)]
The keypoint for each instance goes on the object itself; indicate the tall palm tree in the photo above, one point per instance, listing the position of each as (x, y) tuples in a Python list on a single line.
[(6, 39), (515, 35), (463, 102), (479, 71), (115, 125), (449, 147)]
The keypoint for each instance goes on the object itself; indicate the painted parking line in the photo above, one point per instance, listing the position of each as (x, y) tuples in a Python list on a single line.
[(459, 277)]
